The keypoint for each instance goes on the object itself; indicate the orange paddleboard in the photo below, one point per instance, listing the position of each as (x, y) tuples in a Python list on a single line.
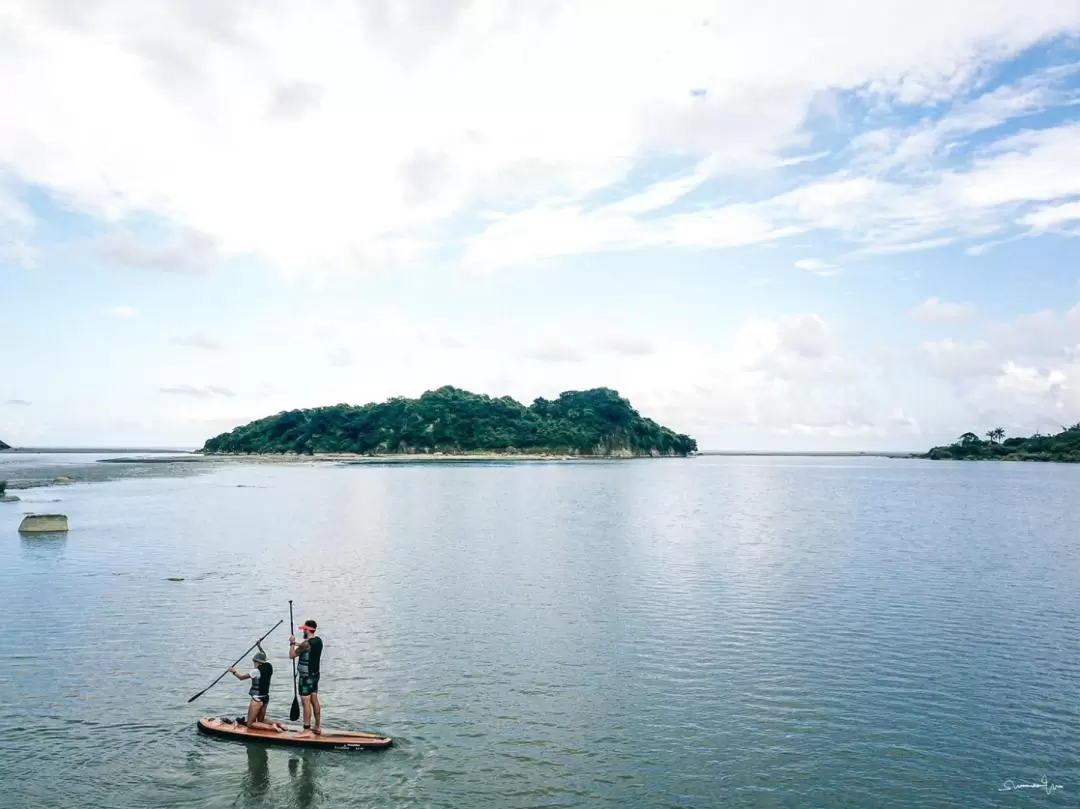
[(327, 740)]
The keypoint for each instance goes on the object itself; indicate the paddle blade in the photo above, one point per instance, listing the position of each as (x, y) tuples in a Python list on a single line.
[(294, 714), (197, 695)]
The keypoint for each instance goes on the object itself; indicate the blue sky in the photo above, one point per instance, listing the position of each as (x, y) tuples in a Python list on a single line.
[(774, 225)]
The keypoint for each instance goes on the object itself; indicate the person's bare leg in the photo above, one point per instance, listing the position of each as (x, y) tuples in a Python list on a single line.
[(306, 699), (262, 724), (316, 708), (253, 712)]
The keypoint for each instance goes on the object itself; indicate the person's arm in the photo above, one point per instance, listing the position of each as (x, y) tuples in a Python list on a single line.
[(240, 675), (296, 649)]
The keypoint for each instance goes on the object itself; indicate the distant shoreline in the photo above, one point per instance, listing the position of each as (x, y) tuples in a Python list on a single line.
[(93, 451), (433, 457), (750, 453), (446, 457), (195, 455)]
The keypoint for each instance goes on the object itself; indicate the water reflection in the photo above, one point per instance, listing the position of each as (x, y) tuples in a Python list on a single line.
[(43, 546), (304, 772), (257, 781)]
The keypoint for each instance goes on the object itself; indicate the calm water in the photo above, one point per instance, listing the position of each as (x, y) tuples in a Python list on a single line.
[(702, 633)]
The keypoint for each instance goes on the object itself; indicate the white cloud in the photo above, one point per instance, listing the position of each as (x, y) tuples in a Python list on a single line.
[(349, 135), (191, 252), (806, 335), (200, 340), (1023, 374), (1022, 379), (16, 228), (17, 402), (619, 343), (817, 267), (936, 312), (962, 360), (882, 216), (554, 351), (1052, 216), (199, 392), (915, 149), (121, 311), (339, 356)]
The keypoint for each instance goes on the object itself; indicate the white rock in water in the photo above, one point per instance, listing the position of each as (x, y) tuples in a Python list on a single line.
[(43, 524)]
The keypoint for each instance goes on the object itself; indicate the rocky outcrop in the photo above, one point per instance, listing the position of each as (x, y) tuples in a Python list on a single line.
[(43, 524)]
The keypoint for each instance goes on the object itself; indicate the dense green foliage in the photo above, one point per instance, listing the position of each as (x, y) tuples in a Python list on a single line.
[(4, 446), (450, 420), (1063, 447)]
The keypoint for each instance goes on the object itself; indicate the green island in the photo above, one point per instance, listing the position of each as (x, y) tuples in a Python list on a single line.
[(452, 421), (1063, 447), (4, 446)]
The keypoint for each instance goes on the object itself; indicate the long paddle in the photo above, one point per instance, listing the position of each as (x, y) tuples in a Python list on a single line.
[(245, 654), (294, 712)]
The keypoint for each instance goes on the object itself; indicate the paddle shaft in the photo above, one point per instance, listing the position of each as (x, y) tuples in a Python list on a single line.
[(245, 654), (294, 713)]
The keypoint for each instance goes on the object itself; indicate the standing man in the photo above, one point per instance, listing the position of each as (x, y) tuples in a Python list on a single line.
[(308, 653)]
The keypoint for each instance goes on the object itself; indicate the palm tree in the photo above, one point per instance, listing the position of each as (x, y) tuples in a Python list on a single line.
[(968, 438), (996, 434)]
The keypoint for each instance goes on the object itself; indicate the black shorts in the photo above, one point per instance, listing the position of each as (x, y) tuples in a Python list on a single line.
[(263, 698), (309, 684)]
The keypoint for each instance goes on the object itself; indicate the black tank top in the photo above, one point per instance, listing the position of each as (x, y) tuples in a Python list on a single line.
[(309, 660), (261, 687)]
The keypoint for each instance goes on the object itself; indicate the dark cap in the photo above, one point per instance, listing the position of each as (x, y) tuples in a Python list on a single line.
[(309, 625)]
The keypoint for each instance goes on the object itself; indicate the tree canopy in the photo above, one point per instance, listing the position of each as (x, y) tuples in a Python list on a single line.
[(1063, 447), (451, 420), (4, 446)]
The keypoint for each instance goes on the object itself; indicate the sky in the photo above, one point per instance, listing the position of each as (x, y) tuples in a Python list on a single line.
[(773, 225)]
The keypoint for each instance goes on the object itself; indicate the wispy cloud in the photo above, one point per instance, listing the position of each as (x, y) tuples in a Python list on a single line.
[(817, 266), (554, 351), (199, 392), (1052, 216), (190, 252), (626, 344), (18, 402), (339, 356), (200, 340), (578, 118), (121, 311), (933, 311)]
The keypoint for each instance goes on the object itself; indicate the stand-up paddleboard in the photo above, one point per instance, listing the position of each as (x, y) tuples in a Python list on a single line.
[(327, 740)]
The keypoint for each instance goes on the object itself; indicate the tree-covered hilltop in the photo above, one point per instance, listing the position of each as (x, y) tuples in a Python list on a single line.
[(1063, 447), (4, 446), (450, 420)]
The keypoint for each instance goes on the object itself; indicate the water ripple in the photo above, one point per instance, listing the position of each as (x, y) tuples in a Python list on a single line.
[(742, 633)]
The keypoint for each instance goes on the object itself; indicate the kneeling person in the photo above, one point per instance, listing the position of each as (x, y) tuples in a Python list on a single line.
[(309, 653), (260, 693)]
